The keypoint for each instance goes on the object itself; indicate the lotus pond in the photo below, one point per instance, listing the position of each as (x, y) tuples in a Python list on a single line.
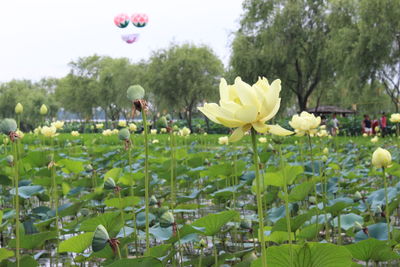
[(81, 202)]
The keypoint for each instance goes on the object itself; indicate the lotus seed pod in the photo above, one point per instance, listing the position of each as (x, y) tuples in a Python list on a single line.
[(10, 159), (109, 184), (135, 92), (153, 200), (167, 219), (85, 212), (124, 134), (245, 224), (43, 110), (100, 238), (19, 108), (7, 126)]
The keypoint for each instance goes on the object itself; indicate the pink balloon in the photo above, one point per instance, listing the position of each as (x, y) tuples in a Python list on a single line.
[(139, 19), (121, 20)]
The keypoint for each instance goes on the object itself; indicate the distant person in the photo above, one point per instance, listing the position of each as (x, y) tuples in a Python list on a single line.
[(367, 125), (383, 124), (375, 126), (335, 125)]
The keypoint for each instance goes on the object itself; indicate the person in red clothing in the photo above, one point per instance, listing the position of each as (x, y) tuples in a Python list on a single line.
[(383, 124)]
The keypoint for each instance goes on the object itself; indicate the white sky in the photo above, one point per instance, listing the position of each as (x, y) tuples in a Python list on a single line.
[(38, 38)]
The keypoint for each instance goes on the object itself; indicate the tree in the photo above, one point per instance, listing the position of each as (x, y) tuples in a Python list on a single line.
[(378, 47), (181, 77), (289, 40), (77, 91)]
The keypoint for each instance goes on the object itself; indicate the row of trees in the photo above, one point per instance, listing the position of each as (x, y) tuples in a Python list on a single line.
[(335, 50), (340, 52)]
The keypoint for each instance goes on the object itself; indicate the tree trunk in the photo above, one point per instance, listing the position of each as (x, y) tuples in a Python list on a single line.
[(302, 102)]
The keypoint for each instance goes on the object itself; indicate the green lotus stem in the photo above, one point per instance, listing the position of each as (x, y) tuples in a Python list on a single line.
[(215, 252), (146, 177), (132, 195), (201, 256), (123, 219), (55, 196), (16, 202), (172, 155), (315, 187), (259, 199), (339, 230), (119, 252), (287, 211), (387, 214), (324, 192)]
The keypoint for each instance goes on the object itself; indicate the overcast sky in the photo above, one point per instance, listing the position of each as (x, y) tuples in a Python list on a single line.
[(39, 37)]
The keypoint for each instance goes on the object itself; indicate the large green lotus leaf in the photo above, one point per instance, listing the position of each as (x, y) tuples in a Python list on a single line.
[(141, 219), (348, 220), (139, 262), (28, 191), (300, 192), (5, 254), (123, 202), (77, 243), (161, 233), (111, 221), (278, 178), (186, 230), (159, 251), (277, 237), (36, 159), (73, 166), (26, 261), (310, 231), (214, 222), (33, 241), (308, 255), (372, 249), (114, 173), (377, 231), (295, 222)]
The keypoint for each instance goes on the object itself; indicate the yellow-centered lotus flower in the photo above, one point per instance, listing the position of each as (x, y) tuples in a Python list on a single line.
[(58, 124), (49, 131), (223, 140), (122, 123), (243, 107), (99, 126), (305, 123), (381, 158), (395, 117), (375, 139), (132, 127), (184, 131), (75, 133)]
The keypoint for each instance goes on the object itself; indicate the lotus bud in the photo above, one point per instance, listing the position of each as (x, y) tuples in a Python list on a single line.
[(203, 243), (43, 110), (19, 109), (324, 158), (88, 167), (312, 199), (358, 226), (357, 196), (10, 159), (153, 201), (109, 184), (167, 219), (85, 212), (6, 140), (325, 151)]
